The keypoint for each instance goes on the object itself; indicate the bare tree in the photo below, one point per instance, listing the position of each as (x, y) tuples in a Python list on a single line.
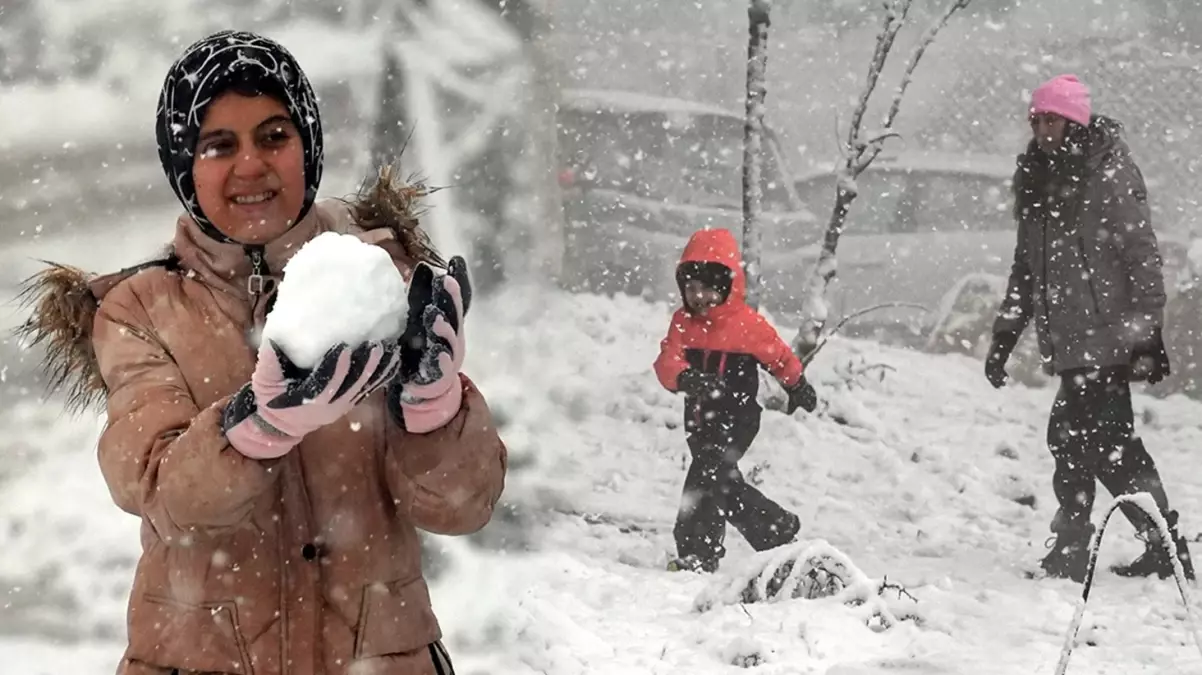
[(758, 13), (861, 149), (389, 132), (466, 89)]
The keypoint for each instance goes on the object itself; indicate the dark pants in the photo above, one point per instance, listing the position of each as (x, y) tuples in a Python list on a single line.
[(1091, 434), (715, 493)]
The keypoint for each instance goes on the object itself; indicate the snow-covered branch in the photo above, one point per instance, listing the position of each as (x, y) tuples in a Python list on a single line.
[(1145, 502), (853, 316), (858, 155), (895, 17)]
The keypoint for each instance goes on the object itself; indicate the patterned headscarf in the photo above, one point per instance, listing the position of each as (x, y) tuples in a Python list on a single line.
[(207, 69)]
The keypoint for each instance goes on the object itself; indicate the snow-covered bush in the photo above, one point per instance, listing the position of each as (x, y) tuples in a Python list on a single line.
[(743, 651), (809, 571)]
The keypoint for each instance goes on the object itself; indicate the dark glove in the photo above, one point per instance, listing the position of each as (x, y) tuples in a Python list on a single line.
[(700, 384), (1150, 359), (999, 352), (803, 396), (428, 392), (431, 298)]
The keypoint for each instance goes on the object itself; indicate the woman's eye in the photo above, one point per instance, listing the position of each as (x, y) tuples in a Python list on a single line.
[(278, 136), (216, 149)]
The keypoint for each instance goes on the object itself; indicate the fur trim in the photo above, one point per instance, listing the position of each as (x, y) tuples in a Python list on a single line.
[(63, 302), (391, 202), (63, 308)]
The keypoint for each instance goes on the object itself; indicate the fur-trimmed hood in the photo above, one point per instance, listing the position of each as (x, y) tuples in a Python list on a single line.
[(63, 300)]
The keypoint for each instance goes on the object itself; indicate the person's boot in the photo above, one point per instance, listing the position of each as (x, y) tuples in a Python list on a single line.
[(693, 563), (1156, 559), (1069, 557)]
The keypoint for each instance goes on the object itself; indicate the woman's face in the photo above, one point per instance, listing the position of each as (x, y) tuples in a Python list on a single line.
[(1049, 130), (249, 169)]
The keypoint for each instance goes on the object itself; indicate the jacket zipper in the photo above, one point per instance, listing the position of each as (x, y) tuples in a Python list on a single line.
[(1043, 278), (256, 282), (1093, 295), (705, 357)]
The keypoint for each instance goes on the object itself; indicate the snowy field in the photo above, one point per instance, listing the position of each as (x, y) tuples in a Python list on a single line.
[(924, 476)]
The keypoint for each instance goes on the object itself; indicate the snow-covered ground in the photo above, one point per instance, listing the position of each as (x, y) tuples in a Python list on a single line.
[(923, 480)]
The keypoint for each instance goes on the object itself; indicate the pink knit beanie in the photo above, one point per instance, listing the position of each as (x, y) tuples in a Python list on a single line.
[(1063, 95)]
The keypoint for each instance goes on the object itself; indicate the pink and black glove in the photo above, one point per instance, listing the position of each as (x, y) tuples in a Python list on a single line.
[(282, 402), (428, 392)]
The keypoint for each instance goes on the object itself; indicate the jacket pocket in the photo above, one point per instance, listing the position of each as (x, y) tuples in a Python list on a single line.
[(395, 618), (1095, 307), (172, 634)]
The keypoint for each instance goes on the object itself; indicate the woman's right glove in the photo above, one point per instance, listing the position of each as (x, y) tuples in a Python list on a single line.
[(999, 353), (283, 403)]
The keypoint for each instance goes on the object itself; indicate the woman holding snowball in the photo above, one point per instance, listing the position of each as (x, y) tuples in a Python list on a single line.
[(280, 479)]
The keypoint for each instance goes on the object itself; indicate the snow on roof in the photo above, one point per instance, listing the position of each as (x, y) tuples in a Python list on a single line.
[(992, 166), (612, 100)]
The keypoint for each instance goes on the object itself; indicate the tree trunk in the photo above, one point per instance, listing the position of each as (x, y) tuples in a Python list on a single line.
[(815, 310), (753, 133), (389, 134)]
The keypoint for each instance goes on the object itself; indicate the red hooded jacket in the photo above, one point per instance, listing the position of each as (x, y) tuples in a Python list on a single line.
[(732, 339)]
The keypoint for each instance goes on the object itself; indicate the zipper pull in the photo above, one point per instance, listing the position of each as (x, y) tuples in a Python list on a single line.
[(255, 283)]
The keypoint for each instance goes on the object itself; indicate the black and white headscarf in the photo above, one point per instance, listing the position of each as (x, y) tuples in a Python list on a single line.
[(207, 69)]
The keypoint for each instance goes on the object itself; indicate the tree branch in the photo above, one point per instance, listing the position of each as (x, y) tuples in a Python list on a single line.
[(840, 146), (869, 150), (886, 585), (855, 315), (925, 41), (895, 18)]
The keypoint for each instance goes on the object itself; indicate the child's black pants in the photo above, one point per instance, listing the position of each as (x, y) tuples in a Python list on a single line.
[(715, 492)]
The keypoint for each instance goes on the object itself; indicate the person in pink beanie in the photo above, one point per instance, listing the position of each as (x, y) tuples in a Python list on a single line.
[(1064, 95), (1087, 271)]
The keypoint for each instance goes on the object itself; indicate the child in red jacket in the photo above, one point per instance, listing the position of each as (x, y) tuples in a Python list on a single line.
[(711, 354)]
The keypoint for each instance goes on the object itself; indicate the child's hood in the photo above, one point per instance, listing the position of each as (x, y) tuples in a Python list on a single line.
[(719, 246)]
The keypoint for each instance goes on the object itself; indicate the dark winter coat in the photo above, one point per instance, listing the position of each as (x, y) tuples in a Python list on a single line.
[(732, 340), (1086, 266)]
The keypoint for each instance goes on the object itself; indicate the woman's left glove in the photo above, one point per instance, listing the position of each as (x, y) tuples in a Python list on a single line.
[(428, 392), (1150, 359)]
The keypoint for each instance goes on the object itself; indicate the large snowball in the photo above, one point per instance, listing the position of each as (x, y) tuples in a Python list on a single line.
[(337, 288)]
